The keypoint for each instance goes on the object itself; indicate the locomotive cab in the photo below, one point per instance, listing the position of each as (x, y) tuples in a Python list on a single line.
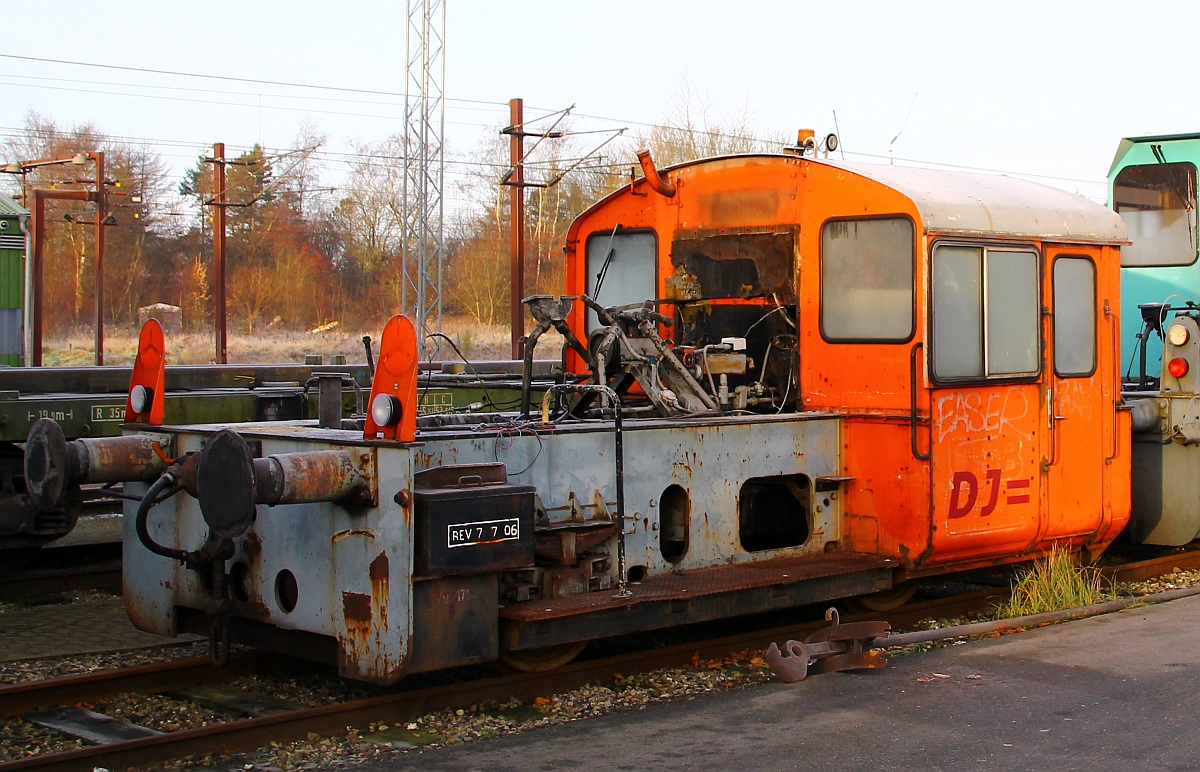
[(960, 325)]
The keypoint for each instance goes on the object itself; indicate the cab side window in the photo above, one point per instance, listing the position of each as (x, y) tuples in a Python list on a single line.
[(1074, 316), (1158, 204), (985, 313), (867, 270)]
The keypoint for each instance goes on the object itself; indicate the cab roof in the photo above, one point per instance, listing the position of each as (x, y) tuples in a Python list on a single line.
[(1128, 143), (10, 207), (966, 203)]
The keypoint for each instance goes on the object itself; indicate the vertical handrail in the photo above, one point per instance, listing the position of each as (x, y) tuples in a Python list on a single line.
[(1051, 421), (1117, 399), (912, 391)]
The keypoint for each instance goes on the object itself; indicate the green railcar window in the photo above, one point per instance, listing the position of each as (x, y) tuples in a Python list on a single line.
[(1158, 204)]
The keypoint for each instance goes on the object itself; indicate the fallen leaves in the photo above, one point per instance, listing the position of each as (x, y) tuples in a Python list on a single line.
[(938, 676)]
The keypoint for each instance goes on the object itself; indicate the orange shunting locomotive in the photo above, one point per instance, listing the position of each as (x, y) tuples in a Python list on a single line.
[(787, 380)]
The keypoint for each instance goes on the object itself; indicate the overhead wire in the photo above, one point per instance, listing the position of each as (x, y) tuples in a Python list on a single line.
[(466, 101), (178, 73)]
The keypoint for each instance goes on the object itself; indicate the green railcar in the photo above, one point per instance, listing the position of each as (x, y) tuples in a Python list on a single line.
[(12, 281)]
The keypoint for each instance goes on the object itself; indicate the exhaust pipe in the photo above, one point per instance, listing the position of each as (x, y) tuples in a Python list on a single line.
[(653, 179)]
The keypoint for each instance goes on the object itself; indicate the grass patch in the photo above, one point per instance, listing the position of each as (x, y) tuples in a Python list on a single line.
[(1053, 583)]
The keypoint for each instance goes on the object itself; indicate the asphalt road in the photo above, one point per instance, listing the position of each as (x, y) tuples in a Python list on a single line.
[(1118, 692)]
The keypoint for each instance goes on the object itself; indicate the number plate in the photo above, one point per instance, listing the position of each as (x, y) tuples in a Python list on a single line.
[(484, 532)]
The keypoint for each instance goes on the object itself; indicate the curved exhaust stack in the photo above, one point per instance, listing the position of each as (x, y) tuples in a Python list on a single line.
[(653, 179)]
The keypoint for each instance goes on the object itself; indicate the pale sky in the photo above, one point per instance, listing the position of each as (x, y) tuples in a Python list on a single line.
[(1042, 89)]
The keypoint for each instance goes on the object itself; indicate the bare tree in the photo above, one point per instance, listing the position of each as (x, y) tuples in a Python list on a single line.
[(371, 217), (693, 129)]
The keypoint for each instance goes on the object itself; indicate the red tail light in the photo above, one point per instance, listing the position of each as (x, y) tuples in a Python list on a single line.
[(1178, 367)]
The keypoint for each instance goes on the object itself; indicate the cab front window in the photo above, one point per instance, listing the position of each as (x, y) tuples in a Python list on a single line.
[(1158, 204), (621, 268)]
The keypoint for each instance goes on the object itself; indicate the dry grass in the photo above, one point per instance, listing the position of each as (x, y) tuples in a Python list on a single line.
[(1054, 583), (477, 343)]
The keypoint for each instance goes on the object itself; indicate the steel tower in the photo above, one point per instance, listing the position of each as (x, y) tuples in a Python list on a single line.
[(424, 124)]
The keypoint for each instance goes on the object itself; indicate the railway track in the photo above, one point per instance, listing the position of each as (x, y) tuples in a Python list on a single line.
[(403, 703), (397, 706), (92, 566)]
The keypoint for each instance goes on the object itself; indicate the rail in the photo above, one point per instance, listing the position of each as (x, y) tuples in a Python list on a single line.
[(404, 704)]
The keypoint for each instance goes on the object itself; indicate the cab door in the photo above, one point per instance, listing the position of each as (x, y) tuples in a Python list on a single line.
[(1079, 396), (987, 416)]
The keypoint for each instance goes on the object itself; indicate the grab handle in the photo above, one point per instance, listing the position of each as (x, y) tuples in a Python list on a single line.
[(912, 390)]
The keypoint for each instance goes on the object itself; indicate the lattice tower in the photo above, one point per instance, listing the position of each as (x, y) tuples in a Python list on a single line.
[(424, 174)]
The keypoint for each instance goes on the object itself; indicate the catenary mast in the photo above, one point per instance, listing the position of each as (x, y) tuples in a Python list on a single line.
[(424, 124)]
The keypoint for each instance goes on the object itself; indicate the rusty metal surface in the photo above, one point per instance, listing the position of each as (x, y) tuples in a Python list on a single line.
[(121, 459), (700, 582), (857, 660), (451, 475), (473, 529), (657, 182), (742, 264), (321, 553), (324, 475), (454, 622), (791, 663), (828, 650), (291, 575)]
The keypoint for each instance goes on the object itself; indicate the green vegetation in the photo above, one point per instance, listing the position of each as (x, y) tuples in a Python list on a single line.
[(1053, 583)]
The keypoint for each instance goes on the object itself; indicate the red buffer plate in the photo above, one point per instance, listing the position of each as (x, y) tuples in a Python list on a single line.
[(149, 372), (396, 375)]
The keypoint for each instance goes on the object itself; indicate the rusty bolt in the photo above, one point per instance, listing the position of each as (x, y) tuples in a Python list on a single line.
[(403, 498)]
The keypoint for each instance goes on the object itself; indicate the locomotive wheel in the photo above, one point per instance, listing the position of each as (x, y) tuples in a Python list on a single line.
[(884, 600), (542, 659)]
